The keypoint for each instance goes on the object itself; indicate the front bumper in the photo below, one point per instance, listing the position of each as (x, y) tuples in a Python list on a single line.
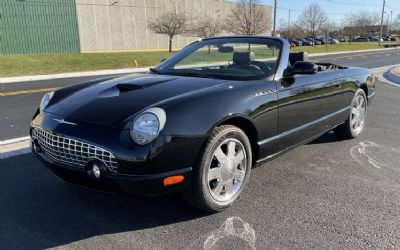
[(148, 185)]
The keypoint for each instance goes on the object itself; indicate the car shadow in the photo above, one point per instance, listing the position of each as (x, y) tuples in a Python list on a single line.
[(329, 137), (37, 210)]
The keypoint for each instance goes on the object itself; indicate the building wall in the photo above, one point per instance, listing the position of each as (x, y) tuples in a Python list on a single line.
[(45, 26), (123, 26)]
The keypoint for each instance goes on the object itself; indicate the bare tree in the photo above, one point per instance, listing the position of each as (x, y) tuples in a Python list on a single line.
[(204, 26), (289, 31), (313, 19), (396, 24), (170, 23), (362, 23), (248, 17)]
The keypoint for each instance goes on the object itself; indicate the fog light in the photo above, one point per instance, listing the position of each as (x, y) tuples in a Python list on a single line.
[(94, 171)]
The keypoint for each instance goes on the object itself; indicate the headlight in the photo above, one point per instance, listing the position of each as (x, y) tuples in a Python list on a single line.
[(147, 126), (45, 101)]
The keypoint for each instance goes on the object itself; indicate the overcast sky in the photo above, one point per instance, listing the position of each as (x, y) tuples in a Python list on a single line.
[(335, 9)]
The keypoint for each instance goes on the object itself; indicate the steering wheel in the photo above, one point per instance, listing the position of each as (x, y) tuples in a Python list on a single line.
[(260, 66)]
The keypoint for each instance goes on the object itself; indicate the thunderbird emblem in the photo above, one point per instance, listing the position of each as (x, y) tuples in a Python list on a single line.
[(62, 121)]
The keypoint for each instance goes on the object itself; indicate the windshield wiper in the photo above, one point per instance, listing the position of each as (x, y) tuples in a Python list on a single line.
[(154, 70)]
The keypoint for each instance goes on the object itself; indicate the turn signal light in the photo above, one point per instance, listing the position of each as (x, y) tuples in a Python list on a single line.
[(173, 180)]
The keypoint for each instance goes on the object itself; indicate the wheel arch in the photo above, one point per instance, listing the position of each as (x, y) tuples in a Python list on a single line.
[(248, 128), (365, 88)]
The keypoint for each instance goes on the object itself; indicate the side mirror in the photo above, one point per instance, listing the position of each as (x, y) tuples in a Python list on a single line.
[(302, 68)]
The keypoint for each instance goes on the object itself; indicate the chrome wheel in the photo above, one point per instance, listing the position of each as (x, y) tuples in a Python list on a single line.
[(358, 114), (227, 170)]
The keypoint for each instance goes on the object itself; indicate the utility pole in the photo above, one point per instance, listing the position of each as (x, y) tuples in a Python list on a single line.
[(383, 12), (387, 25), (274, 27), (289, 24), (391, 21)]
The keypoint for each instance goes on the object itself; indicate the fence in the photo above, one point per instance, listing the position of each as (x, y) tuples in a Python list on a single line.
[(38, 26)]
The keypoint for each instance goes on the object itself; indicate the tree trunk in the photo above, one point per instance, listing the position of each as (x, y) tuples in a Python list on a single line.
[(170, 44)]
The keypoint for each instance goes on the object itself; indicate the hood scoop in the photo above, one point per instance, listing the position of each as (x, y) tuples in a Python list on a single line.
[(123, 87), (141, 83), (128, 86)]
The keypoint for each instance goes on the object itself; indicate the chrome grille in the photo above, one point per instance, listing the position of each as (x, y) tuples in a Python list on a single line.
[(72, 152)]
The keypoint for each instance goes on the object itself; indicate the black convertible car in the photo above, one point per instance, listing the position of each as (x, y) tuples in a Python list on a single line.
[(199, 121)]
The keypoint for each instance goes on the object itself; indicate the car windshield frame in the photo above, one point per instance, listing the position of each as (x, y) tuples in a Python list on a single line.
[(166, 67)]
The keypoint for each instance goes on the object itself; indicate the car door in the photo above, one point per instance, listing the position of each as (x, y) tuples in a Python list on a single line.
[(308, 106)]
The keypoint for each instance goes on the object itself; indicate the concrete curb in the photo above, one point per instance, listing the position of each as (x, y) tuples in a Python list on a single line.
[(14, 147), (71, 75), (136, 70), (391, 76), (380, 74), (350, 52)]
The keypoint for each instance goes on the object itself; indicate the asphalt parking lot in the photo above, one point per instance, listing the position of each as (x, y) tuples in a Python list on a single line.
[(328, 194)]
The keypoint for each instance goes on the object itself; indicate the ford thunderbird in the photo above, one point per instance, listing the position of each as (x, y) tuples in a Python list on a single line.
[(198, 122)]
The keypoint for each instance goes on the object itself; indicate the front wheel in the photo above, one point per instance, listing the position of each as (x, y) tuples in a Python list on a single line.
[(223, 170), (354, 125)]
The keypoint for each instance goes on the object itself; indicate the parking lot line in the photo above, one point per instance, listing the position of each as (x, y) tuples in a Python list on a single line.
[(21, 92)]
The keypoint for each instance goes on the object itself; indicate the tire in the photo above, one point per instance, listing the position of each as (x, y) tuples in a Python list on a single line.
[(353, 128), (222, 171)]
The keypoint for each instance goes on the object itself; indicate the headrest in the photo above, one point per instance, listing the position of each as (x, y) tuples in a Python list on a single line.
[(297, 57), (243, 58)]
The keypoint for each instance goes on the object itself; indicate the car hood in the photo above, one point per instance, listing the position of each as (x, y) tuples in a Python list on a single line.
[(111, 102)]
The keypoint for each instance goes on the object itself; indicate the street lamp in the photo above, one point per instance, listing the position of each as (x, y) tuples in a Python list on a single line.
[(383, 11)]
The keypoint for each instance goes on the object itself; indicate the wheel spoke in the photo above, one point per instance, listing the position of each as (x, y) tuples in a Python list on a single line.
[(231, 149), (229, 187), (353, 121), (360, 103), (239, 158), (219, 155), (218, 189), (214, 173), (354, 110), (239, 174)]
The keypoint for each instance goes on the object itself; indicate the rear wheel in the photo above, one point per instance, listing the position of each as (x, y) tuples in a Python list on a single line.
[(223, 170), (354, 125)]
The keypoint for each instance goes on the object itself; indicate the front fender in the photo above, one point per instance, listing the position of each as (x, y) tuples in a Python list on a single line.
[(195, 116)]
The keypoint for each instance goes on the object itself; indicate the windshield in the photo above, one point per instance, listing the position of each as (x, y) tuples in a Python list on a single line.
[(225, 58)]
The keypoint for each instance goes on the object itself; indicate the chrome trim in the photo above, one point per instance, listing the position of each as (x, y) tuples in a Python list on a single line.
[(284, 60), (304, 126), (70, 151), (62, 121)]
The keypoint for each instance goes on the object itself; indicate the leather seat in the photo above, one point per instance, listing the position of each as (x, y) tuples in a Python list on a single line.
[(298, 57), (243, 58)]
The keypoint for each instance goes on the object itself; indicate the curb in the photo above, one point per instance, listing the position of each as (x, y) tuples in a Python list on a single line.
[(350, 52), (391, 76), (71, 75), (14, 147), (380, 74)]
